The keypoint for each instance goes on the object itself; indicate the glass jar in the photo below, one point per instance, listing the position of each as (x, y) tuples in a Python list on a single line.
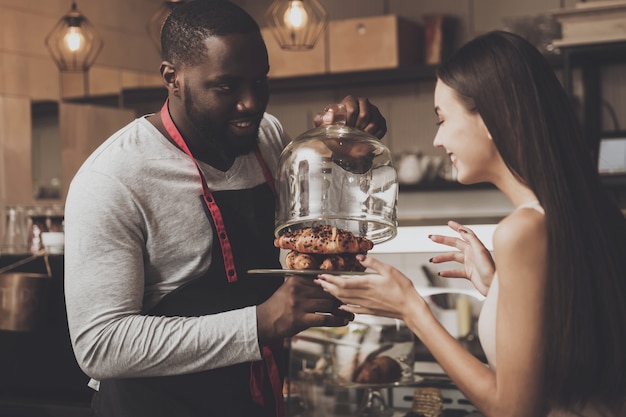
[(339, 176), (35, 226), (14, 240)]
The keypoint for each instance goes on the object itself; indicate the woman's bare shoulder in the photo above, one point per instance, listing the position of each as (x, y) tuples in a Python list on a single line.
[(520, 244), (520, 228)]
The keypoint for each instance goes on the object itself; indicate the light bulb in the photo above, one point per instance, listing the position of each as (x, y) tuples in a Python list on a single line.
[(74, 39), (296, 17)]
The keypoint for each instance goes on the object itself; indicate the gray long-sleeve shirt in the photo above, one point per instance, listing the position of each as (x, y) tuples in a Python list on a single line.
[(136, 230)]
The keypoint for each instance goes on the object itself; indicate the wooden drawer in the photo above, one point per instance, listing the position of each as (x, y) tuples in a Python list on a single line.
[(374, 43)]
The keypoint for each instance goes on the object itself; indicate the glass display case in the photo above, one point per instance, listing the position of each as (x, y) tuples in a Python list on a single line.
[(323, 378), (374, 367), (345, 370)]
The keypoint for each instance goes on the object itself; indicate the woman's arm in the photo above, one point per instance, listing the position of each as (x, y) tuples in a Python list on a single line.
[(392, 294), (514, 388)]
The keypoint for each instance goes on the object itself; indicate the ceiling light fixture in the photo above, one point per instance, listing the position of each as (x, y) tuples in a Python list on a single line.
[(296, 24), (73, 43)]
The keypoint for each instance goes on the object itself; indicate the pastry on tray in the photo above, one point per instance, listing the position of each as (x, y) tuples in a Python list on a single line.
[(323, 247)]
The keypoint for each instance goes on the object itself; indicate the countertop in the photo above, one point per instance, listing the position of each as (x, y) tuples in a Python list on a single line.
[(39, 375)]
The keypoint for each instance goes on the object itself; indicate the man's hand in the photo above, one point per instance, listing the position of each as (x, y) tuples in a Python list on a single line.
[(297, 305), (360, 113)]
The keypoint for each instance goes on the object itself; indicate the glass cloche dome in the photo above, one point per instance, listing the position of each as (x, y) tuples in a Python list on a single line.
[(339, 176)]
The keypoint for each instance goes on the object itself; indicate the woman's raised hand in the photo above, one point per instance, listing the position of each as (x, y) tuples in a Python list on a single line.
[(479, 266)]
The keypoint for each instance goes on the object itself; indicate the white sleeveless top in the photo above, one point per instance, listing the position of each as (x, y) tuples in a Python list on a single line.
[(488, 313), (487, 336)]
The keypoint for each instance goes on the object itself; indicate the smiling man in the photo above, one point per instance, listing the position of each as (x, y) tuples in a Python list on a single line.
[(164, 219)]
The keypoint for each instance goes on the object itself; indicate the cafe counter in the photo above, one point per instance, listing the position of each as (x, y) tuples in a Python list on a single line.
[(39, 375)]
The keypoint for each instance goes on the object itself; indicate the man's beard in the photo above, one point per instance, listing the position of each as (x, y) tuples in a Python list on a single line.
[(240, 148), (216, 140)]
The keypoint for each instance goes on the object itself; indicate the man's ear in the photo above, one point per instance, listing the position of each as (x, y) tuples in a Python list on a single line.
[(169, 76)]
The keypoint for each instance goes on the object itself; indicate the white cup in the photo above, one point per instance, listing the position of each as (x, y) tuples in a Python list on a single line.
[(53, 242)]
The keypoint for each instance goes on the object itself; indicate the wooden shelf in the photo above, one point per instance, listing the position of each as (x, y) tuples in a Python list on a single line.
[(441, 185), (135, 96), (415, 73), (609, 181), (614, 181), (594, 54), (340, 80)]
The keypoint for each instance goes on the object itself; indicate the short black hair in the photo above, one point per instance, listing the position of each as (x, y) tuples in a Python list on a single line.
[(191, 23)]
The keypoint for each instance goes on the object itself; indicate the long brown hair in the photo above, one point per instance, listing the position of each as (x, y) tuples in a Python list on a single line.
[(535, 129)]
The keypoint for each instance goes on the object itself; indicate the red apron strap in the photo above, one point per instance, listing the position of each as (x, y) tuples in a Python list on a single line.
[(275, 380), (269, 178), (257, 378), (256, 368), (227, 253)]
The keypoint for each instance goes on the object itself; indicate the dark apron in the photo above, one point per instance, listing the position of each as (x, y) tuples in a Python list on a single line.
[(222, 391), (228, 391)]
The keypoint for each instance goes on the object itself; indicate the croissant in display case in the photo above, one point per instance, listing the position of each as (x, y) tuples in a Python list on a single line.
[(325, 248), (369, 351)]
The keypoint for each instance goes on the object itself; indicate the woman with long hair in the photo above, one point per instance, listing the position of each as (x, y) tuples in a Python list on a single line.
[(553, 323)]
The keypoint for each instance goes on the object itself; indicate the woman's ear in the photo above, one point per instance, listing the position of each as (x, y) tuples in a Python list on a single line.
[(482, 122)]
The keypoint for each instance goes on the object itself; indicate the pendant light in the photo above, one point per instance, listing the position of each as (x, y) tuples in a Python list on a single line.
[(296, 24), (73, 43), (158, 18)]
